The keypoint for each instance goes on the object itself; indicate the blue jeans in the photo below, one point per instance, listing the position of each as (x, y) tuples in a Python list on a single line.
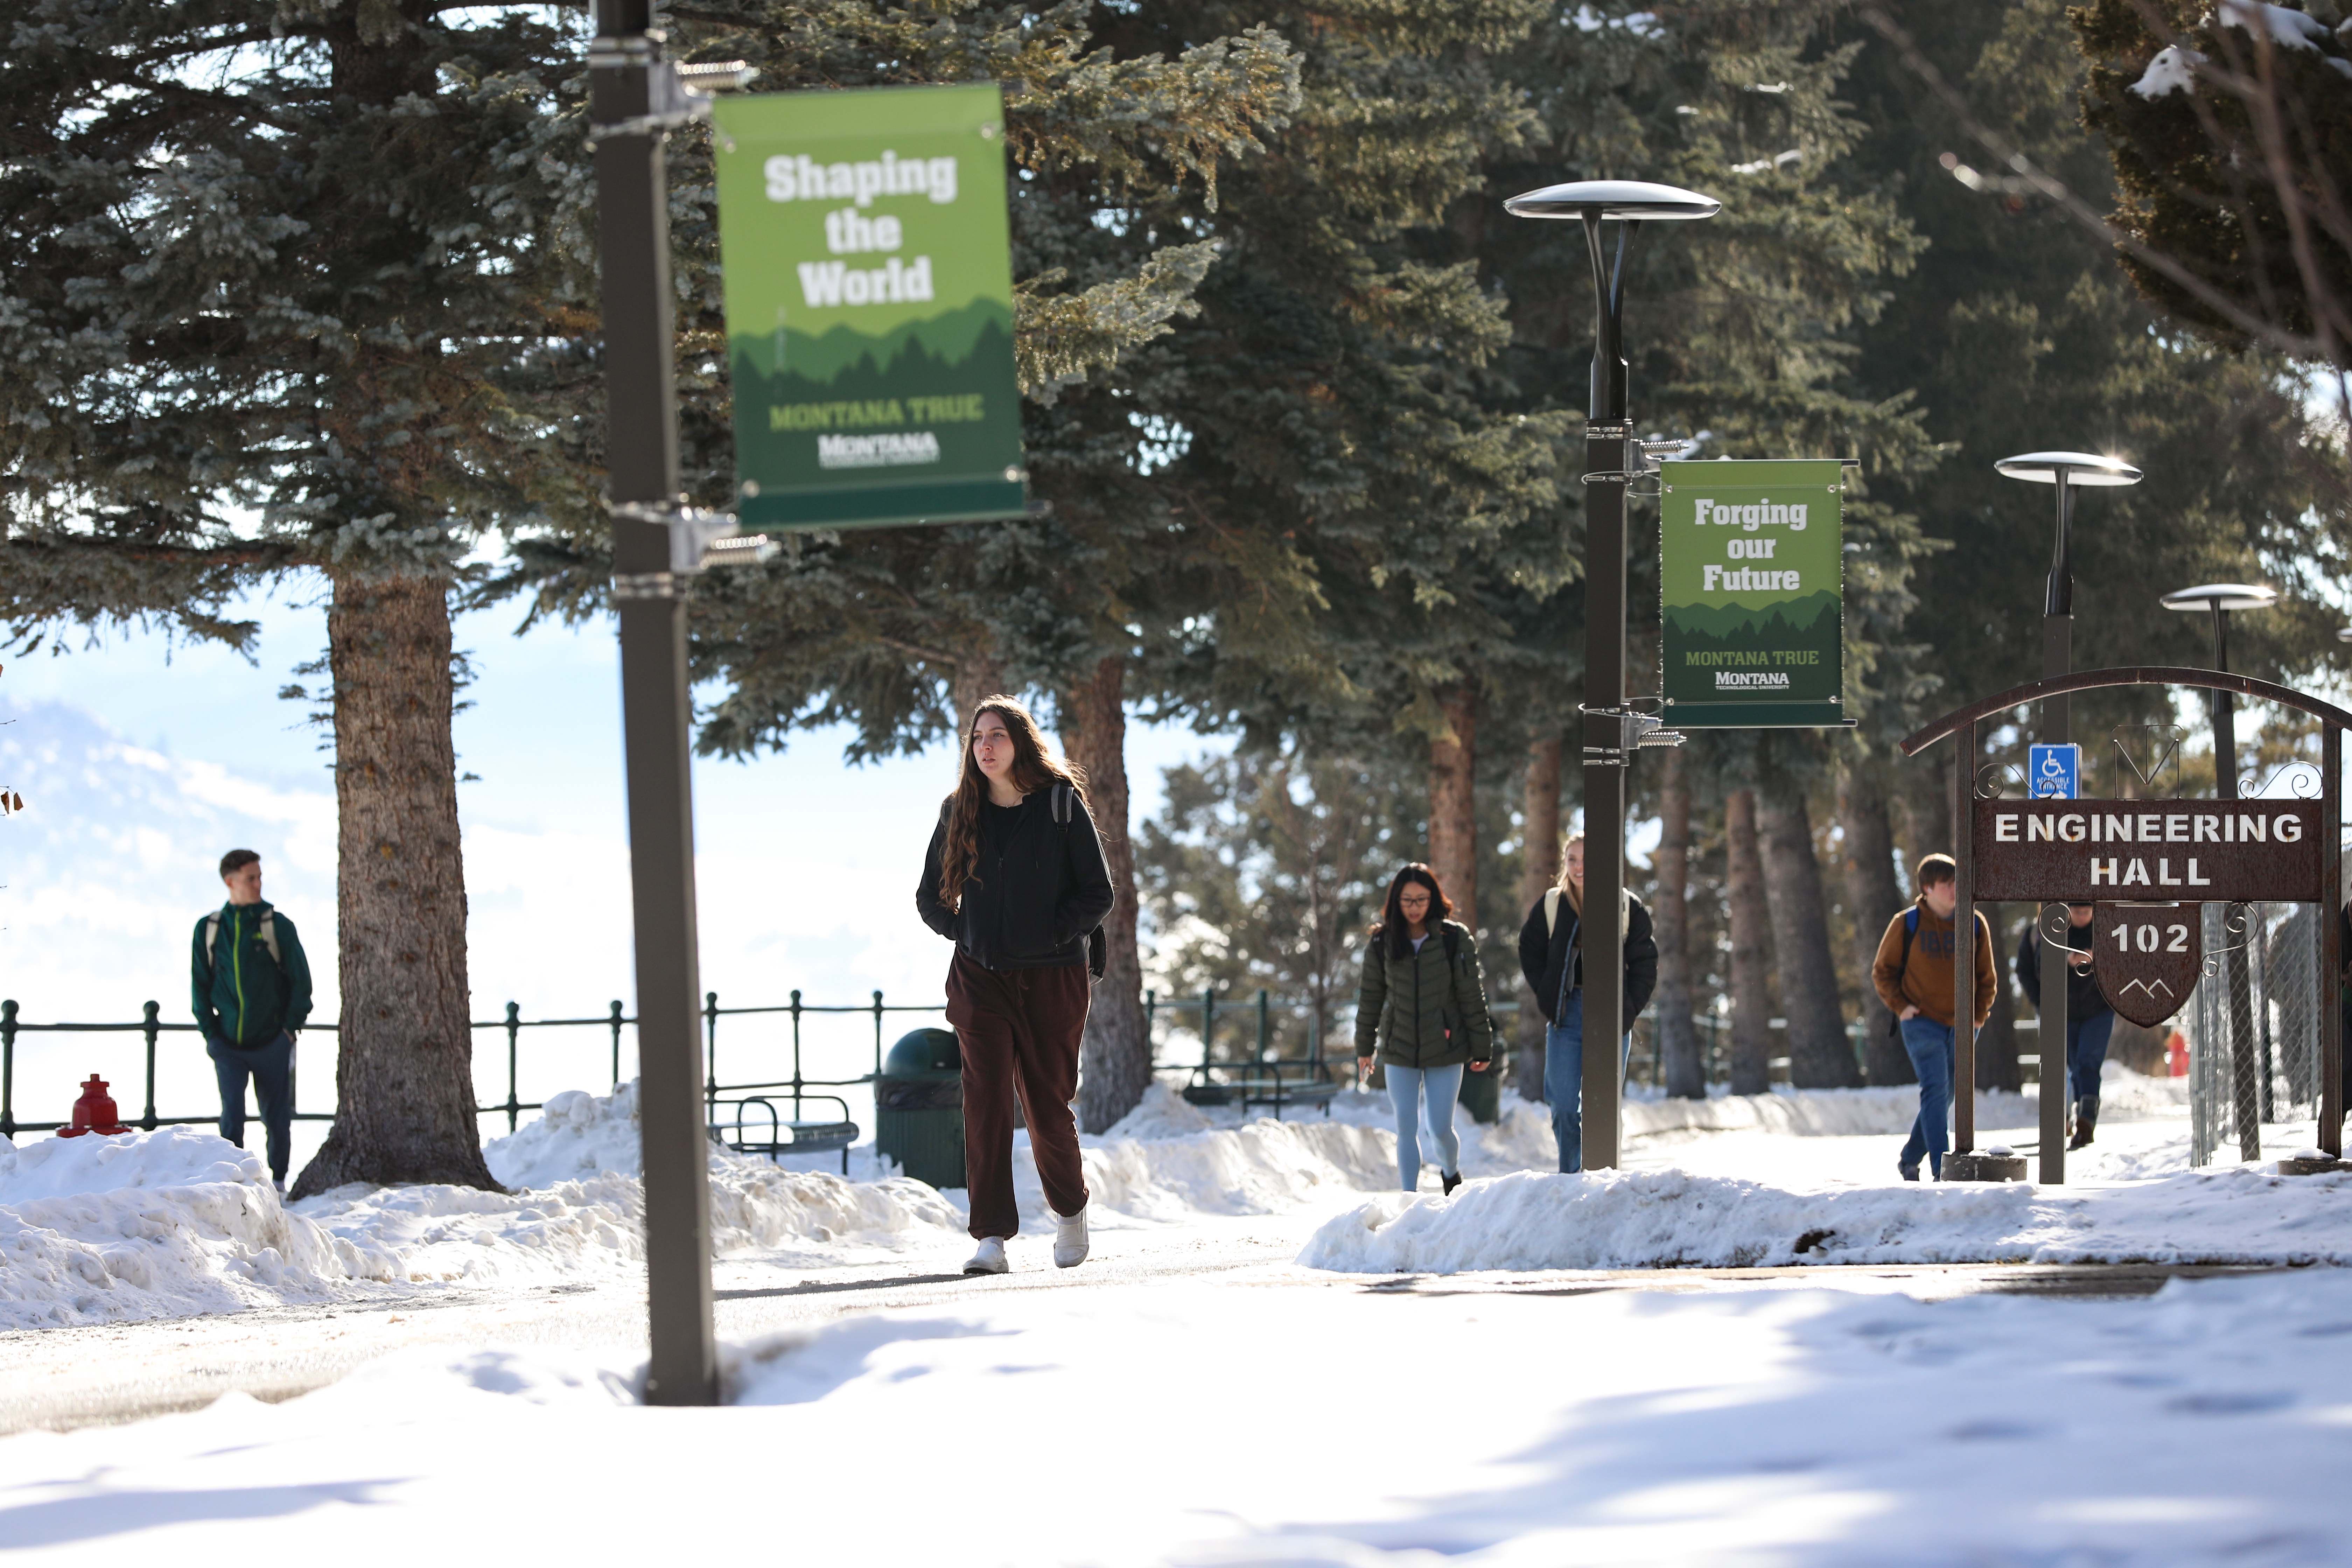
[(271, 1068), (1442, 1087), (1930, 1045), (2087, 1053), (1563, 1079)]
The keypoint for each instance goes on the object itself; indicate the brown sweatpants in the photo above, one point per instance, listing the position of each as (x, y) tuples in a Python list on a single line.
[(1020, 1030)]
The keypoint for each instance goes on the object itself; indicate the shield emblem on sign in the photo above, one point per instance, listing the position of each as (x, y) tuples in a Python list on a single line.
[(2147, 958)]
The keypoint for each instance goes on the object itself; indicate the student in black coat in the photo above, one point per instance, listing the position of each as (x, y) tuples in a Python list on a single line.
[(1552, 956), (1016, 878), (2090, 1021)]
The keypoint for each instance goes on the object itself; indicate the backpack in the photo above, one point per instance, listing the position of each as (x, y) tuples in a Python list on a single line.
[(1551, 907), (1910, 930), (267, 932), (1065, 803)]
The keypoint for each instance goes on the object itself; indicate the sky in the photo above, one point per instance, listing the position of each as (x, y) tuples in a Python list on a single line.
[(140, 764)]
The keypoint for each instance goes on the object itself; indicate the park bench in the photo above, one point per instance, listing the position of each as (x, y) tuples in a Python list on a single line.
[(779, 1137), (1271, 1083)]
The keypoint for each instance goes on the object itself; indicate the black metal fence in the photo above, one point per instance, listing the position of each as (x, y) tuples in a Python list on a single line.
[(1236, 1031), (151, 1029)]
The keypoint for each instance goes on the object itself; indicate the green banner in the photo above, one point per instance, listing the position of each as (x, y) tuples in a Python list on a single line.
[(868, 277), (1752, 583)]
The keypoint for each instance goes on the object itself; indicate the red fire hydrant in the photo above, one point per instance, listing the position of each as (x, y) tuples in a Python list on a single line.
[(94, 1111)]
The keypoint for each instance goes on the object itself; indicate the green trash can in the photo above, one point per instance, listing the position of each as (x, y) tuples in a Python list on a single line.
[(918, 1107)]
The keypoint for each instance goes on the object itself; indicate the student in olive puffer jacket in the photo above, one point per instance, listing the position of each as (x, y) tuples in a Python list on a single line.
[(1422, 1009)]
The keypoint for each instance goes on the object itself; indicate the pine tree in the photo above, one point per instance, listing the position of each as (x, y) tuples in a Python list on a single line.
[(277, 274), (2229, 133), (311, 286), (2018, 334)]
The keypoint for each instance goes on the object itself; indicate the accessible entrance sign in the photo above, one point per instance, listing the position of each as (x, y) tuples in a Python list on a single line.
[(868, 282), (1752, 585)]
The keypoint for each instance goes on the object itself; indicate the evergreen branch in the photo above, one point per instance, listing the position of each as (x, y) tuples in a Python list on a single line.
[(2295, 344)]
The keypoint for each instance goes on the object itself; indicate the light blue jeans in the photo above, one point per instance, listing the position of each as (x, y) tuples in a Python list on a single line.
[(1408, 1087), (1563, 1079)]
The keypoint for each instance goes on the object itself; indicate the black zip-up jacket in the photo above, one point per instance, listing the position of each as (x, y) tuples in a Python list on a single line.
[(1542, 958), (1033, 900), (2083, 997)]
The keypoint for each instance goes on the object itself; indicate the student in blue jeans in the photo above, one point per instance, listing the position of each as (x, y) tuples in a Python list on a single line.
[(2090, 1021), (1913, 976), (249, 985), (1422, 1012), (1551, 957)]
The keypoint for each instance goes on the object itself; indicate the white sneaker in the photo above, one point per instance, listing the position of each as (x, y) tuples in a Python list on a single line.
[(989, 1256), (1069, 1239)]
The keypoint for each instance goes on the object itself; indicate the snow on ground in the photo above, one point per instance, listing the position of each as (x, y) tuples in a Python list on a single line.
[(144, 1225), (158, 1224), (1130, 1425), (1653, 1219)]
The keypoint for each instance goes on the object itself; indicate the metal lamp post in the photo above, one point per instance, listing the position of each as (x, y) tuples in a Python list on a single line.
[(658, 543), (2220, 599), (1611, 731), (2064, 471)]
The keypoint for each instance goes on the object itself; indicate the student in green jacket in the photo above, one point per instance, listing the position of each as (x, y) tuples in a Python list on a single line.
[(250, 986), (1422, 1010)]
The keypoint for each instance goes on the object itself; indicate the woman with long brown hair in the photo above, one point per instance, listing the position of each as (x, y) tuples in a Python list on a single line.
[(1422, 1010), (1016, 878)]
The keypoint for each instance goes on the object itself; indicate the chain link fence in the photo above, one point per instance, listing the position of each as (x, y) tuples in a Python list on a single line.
[(2254, 1048)]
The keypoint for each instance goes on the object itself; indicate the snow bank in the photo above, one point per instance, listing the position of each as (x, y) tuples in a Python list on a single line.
[(1657, 1219), (158, 1224), (1265, 1167), (1162, 1112), (578, 1207)]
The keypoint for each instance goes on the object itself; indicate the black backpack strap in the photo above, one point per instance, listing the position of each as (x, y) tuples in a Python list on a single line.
[(1453, 944), (1064, 796)]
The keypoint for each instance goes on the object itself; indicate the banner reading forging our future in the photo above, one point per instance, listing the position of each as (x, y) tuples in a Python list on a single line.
[(1752, 580), (869, 281)]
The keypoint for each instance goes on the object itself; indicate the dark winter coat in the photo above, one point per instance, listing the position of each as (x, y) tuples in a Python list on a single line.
[(239, 992), (1032, 901), (1427, 1009), (1544, 956), (2083, 997)]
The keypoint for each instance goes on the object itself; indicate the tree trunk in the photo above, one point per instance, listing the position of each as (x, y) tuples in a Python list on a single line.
[(1678, 1035), (979, 674), (1453, 803), (1115, 1062), (1875, 897), (1751, 958), (404, 1057), (1821, 1054), (1997, 1063), (1541, 838)]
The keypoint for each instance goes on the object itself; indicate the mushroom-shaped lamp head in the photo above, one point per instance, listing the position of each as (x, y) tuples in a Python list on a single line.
[(1613, 198), (2076, 468), (2221, 596)]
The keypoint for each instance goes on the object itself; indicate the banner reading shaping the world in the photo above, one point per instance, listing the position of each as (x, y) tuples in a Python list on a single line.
[(868, 287)]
